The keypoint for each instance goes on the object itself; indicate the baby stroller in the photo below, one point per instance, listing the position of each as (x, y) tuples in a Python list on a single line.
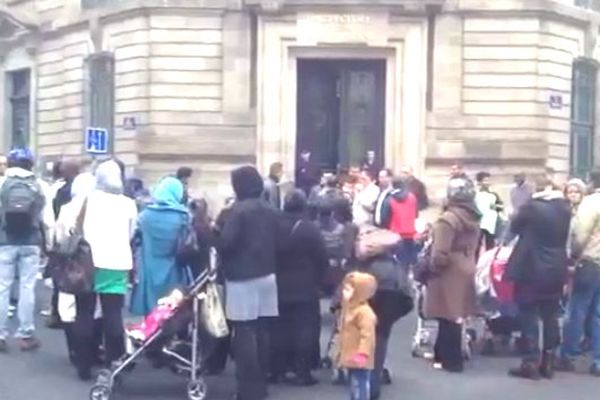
[(426, 332), (181, 357), (496, 297)]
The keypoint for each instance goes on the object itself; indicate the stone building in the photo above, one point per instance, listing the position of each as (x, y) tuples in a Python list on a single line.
[(502, 85)]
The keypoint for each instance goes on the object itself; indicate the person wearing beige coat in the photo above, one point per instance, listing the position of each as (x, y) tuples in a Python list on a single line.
[(451, 294), (357, 333)]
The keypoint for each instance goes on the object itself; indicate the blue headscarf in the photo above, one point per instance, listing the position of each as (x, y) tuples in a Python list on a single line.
[(168, 195)]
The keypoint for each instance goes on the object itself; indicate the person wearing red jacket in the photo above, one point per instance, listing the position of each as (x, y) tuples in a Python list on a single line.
[(399, 214)]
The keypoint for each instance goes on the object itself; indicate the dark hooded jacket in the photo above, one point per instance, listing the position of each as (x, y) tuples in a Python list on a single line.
[(302, 257), (246, 241), (538, 263)]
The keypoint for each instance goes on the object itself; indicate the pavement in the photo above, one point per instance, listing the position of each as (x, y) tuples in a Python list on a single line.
[(47, 375)]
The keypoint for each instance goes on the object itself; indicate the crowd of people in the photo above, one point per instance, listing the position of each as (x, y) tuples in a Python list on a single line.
[(350, 236)]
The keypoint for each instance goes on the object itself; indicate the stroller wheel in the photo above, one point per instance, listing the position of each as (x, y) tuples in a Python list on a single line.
[(104, 376), (197, 390), (100, 392)]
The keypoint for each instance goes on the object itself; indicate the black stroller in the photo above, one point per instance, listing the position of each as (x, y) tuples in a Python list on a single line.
[(179, 355)]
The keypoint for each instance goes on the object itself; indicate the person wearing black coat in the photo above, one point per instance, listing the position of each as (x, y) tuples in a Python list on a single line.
[(538, 267), (246, 245), (301, 264)]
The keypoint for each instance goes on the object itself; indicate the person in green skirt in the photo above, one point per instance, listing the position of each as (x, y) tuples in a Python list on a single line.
[(109, 224)]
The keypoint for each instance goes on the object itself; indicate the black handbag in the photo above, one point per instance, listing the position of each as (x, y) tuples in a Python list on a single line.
[(187, 245), (587, 275), (74, 271)]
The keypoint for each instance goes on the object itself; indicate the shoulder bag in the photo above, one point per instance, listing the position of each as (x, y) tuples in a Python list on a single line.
[(75, 271)]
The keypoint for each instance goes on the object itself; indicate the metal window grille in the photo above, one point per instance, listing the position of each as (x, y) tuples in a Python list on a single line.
[(101, 93), (583, 106)]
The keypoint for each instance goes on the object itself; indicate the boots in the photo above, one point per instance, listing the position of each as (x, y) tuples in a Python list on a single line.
[(548, 364), (527, 370)]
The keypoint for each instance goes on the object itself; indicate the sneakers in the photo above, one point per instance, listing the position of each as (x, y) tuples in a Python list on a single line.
[(29, 344), (3, 346), (11, 311)]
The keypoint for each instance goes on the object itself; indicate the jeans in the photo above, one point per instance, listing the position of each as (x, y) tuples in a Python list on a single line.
[(579, 307), (360, 382), (529, 314), (23, 261)]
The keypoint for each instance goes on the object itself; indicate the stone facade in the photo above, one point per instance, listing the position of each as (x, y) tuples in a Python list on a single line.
[(212, 83)]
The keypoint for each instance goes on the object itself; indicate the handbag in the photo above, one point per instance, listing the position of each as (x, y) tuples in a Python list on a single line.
[(74, 261), (423, 270), (587, 275), (372, 242), (187, 244), (212, 312)]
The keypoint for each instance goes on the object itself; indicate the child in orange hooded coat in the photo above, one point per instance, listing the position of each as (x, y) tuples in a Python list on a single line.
[(357, 333)]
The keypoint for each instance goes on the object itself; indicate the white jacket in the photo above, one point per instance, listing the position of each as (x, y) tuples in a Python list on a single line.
[(109, 224)]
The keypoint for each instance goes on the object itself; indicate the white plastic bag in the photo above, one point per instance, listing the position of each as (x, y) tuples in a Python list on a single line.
[(213, 313)]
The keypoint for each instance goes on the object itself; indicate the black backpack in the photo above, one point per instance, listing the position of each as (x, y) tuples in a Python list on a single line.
[(21, 201)]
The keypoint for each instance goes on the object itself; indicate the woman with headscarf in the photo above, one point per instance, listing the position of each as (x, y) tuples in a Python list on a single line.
[(160, 224), (246, 245), (301, 264), (575, 191), (109, 222), (451, 290)]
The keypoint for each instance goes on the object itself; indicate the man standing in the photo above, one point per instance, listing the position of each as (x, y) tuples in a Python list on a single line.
[(384, 181), (184, 174), (370, 163), (399, 215), (585, 247), (272, 192), (538, 267), (26, 222), (489, 205), (307, 174), (520, 193), (415, 186)]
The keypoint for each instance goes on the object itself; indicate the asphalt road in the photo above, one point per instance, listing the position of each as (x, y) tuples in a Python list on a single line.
[(47, 375)]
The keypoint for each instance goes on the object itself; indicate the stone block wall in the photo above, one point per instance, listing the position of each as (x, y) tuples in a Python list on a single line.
[(492, 86)]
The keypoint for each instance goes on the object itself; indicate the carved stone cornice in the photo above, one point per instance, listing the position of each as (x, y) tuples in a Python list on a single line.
[(16, 29)]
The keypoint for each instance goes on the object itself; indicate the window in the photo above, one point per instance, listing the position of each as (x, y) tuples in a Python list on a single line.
[(20, 107), (583, 107), (590, 4), (101, 93)]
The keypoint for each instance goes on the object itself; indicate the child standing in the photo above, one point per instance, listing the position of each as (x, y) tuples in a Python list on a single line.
[(357, 333)]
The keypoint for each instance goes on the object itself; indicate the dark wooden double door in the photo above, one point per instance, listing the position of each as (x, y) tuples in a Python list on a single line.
[(341, 111)]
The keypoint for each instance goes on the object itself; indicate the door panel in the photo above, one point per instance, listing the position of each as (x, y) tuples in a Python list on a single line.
[(341, 111), (318, 113), (362, 113)]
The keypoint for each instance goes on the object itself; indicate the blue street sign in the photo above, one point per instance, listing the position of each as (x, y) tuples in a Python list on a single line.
[(96, 140)]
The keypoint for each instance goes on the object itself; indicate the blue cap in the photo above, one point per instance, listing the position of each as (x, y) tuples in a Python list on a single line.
[(20, 154)]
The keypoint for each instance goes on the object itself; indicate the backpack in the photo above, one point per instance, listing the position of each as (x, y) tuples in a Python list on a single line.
[(21, 203), (334, 242)]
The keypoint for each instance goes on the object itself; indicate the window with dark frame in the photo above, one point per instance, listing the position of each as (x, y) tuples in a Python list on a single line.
[(20, 107), (101, 93), (583, 106)]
